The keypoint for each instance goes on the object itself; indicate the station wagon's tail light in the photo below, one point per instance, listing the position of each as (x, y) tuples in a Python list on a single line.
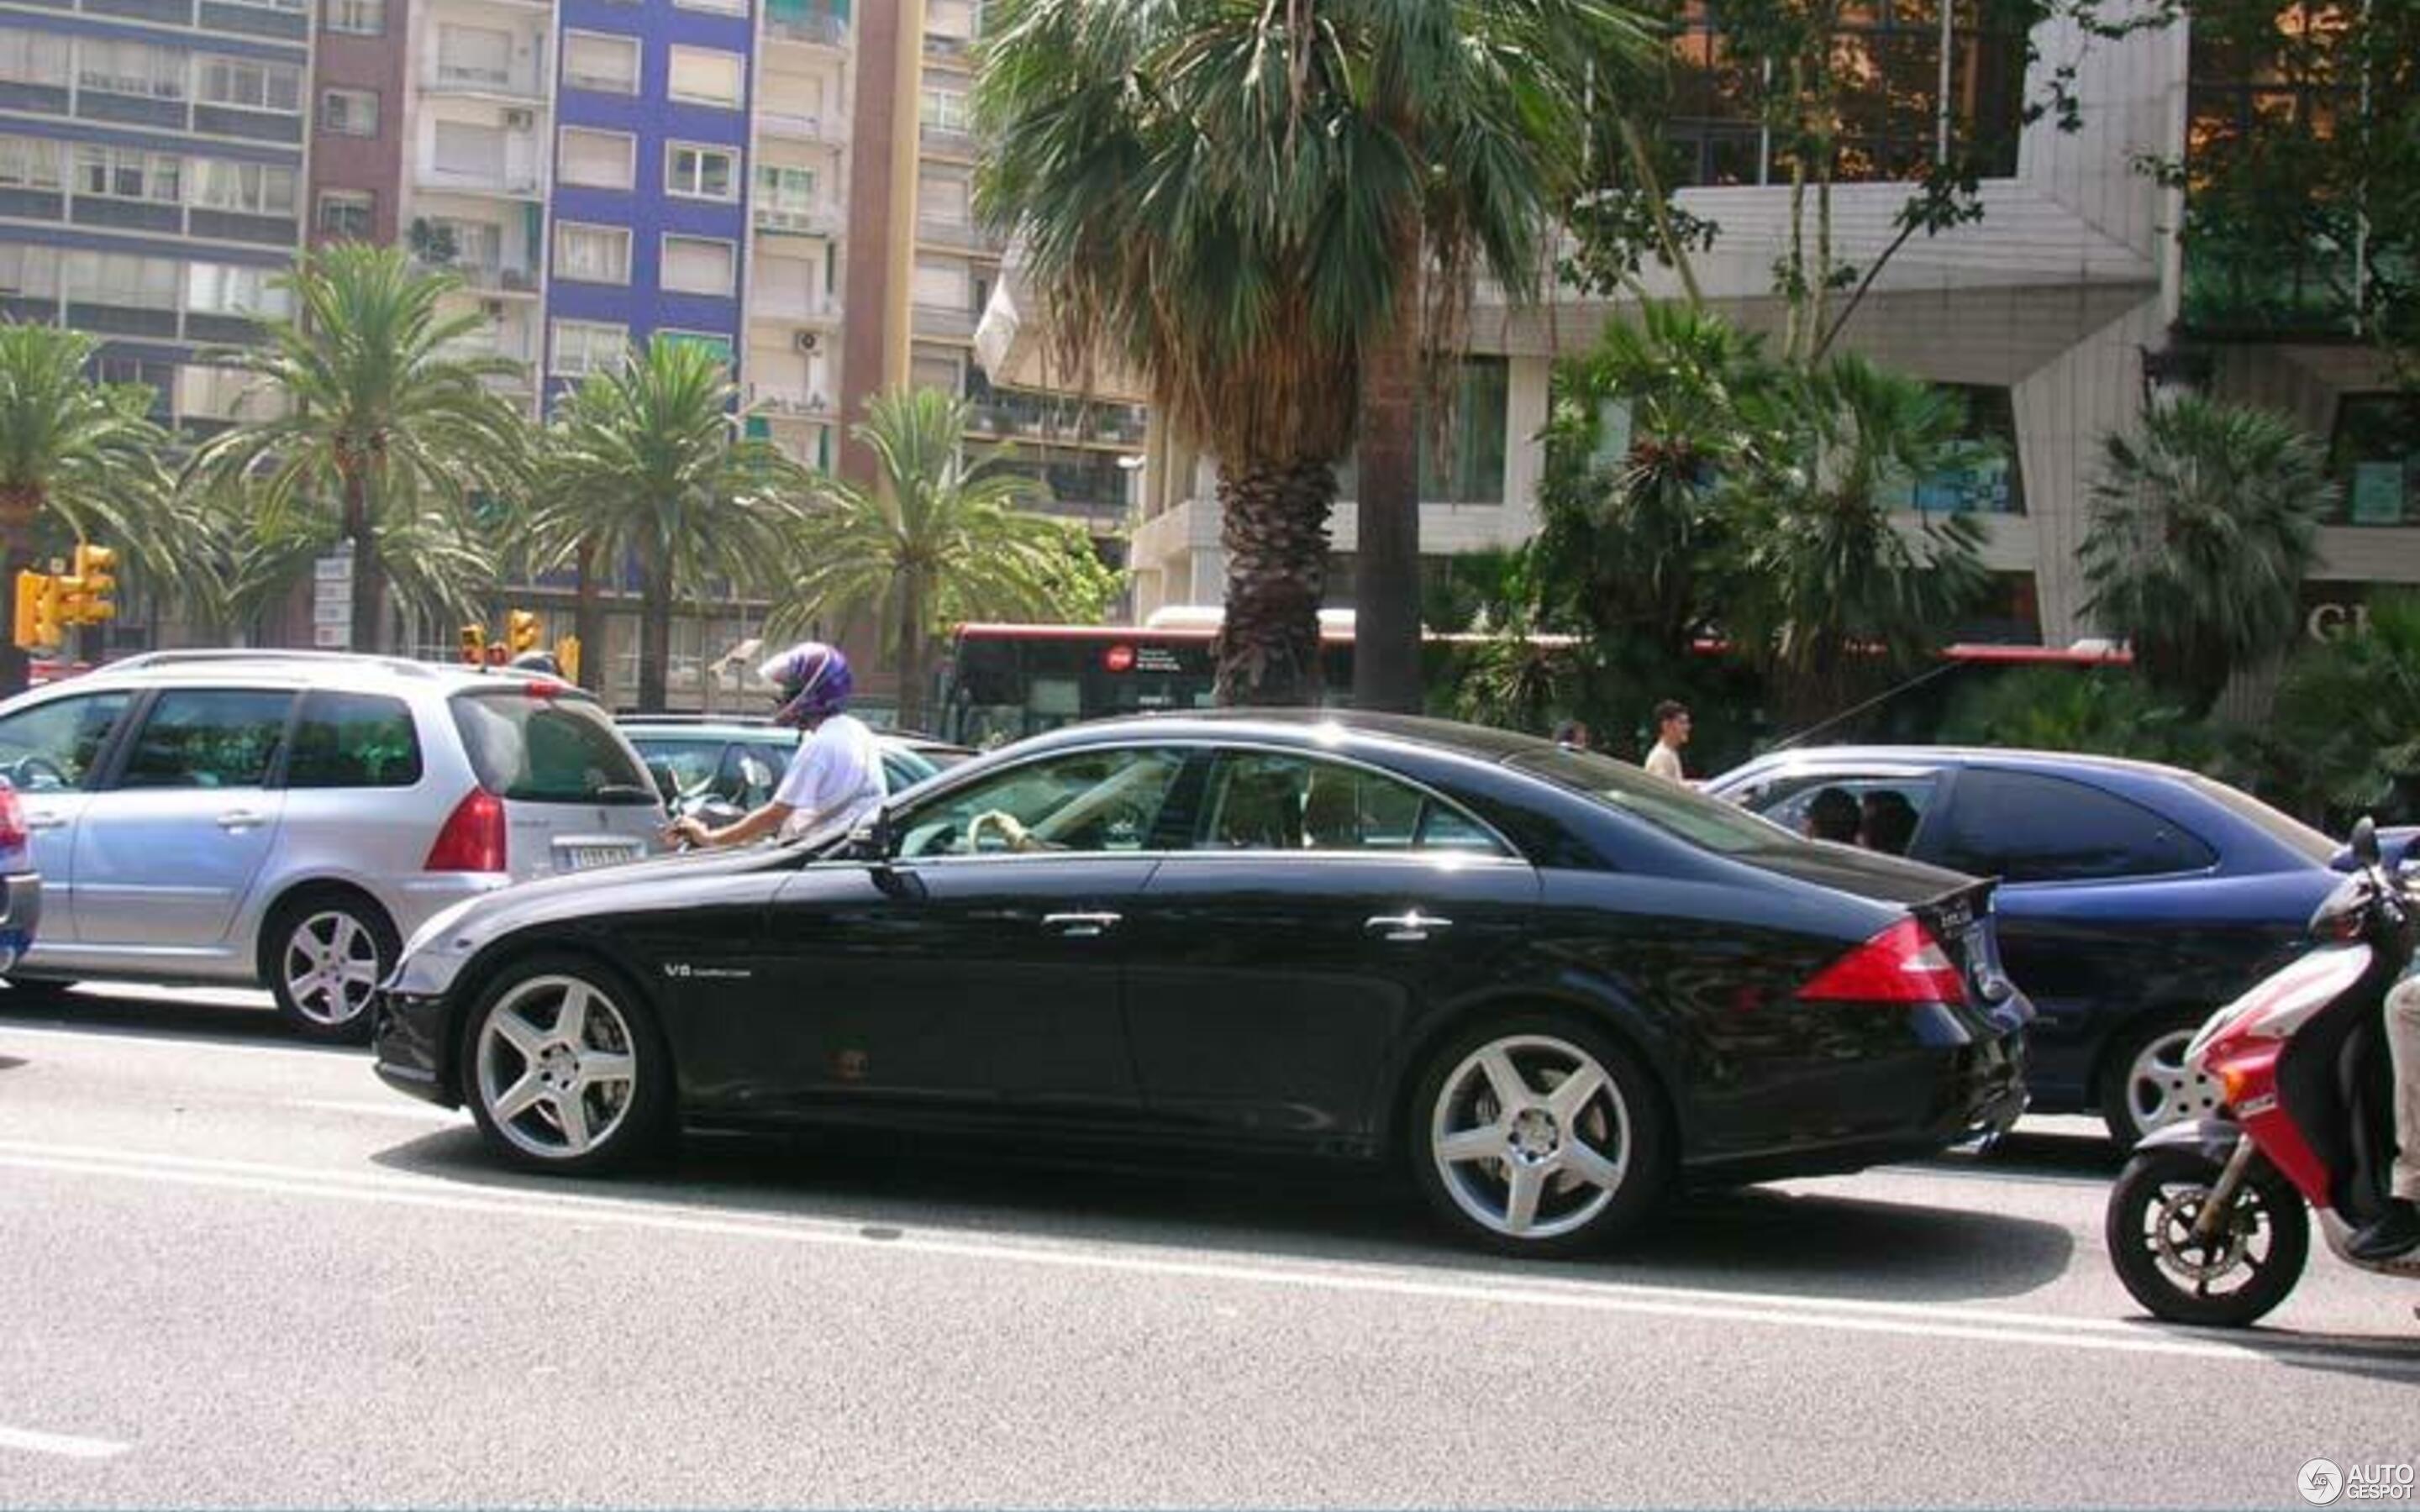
[(473, 837), (12, 819), (1903, 964)]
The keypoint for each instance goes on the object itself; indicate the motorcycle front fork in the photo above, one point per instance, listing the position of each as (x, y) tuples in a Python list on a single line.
[(2222, 1193)]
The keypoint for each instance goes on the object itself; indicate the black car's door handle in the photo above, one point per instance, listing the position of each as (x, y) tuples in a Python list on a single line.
[(1412, 926), (1080, 926)]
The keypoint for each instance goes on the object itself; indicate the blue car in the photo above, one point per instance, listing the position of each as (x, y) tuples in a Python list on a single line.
[(2135, 898), (20, 886)]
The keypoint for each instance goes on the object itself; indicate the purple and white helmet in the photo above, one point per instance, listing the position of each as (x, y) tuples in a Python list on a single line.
[(813, 680)]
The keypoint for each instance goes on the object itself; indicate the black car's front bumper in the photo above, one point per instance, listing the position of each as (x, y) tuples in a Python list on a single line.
[(410, 1043)]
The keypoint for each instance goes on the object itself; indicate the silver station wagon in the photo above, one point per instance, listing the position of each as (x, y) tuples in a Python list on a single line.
[(287, 819)]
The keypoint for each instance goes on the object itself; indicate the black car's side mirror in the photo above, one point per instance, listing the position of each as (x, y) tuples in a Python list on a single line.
[(874, 841), (2365, 841)]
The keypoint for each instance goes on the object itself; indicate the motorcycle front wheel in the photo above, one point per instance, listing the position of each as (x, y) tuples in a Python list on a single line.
[(2244, 1267)]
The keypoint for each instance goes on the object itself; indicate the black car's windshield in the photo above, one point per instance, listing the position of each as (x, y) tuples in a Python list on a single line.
[(1620, 786)]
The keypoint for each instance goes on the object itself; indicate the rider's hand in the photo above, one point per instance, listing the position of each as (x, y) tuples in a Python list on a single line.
[(688, 829)]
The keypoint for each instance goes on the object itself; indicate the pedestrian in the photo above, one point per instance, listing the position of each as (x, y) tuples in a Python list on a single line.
[(834, 776), (1671, 734), (1573, 734)]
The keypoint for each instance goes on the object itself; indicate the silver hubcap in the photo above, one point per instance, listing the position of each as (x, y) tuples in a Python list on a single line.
[(2162, 1089), (332, 967), (555, 1066), (1531, 1136)]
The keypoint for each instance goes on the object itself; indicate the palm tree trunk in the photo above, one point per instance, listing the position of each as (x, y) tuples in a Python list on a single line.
[(370, 592), (588, 620), (911, 652), (1273, 527), (1387, 560), (655, 635)]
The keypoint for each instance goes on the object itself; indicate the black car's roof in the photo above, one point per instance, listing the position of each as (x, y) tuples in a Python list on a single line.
[(1307, 726)]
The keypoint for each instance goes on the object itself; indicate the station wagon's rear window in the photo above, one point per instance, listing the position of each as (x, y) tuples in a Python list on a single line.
[(529, 747)]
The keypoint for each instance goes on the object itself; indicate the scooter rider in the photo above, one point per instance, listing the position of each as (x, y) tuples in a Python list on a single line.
[(836, 774), (2397, 1231)]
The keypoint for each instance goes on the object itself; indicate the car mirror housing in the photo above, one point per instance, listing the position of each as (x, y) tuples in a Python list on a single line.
[(875, 840)]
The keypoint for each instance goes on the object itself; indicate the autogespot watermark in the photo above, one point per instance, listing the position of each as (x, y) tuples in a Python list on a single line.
[(2322, 1482)]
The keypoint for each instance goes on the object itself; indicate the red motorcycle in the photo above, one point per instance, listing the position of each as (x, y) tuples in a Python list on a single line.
[(2207, 1223)]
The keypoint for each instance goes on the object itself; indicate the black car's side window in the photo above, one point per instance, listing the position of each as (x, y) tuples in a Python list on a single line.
[(1091, 800), (2028, 827), (1267, 801)]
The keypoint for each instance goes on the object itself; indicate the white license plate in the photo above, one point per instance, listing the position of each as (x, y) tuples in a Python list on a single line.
[(584, 857)]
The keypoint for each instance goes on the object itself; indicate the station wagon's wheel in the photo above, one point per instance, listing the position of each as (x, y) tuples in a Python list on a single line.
[(324, 954), (1538, 1136), (564, 1069), (2147, 1083)]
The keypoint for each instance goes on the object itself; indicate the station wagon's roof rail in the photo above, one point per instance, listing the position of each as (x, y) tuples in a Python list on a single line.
[(198, 655)]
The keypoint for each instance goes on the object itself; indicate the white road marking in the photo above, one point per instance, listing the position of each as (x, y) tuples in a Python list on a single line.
[(1932, 1321), (66, 1444), (399, 1108), (120, 1039)]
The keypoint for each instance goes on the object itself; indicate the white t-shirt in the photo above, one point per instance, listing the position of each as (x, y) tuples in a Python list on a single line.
[(836, 777), (1664, 762)]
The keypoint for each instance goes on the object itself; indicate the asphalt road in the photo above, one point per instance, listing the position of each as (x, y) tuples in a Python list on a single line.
[(240, 1272)]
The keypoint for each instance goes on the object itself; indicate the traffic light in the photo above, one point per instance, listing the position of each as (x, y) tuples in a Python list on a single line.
[(474, 643), (37, 625), (567, 656), (96, 577), (521, 632)]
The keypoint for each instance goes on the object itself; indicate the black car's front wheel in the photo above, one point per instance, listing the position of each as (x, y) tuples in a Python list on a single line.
[(564, 1069), (1538, 1136), (2224, 1273)]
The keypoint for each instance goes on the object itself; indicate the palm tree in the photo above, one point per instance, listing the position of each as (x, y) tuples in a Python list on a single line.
[(2346, 724), (646, 464), (432, 563), (1255, 204), (1830, 590), (84, 457), (2201, 532), (942, 538), (383, 418)]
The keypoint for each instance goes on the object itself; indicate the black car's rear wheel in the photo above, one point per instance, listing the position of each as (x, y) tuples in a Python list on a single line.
[(1538, 1135), (564, 1069), (2238, 1272)]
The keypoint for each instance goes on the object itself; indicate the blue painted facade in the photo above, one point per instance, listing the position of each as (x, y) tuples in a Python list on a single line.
[(648, 209)]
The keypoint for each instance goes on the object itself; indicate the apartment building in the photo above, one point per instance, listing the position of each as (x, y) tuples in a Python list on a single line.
[(2059, 316), (151, 180)]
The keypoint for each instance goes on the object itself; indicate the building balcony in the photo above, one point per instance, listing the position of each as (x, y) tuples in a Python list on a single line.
[(514, 278), (799, 220), (825, 130), (1065, 422), (784, 399), (946, 322), (511, 184), (947, 141), (791, 308), (460, 79), (959, 236), (950, 52), (808, 29)]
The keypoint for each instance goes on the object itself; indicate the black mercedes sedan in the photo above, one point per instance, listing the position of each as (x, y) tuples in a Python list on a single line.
[(1550, 986)]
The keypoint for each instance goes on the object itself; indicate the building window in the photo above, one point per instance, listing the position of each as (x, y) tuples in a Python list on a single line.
[(128, 68), (609, 65), (717, 344), (943, 199), (251, 86), (698, 265), (936, 367), (785, 190), (941, 283), (120, 279), (350, 112), (30, 162), (34, 57), (701, 173), (124, 173), (1891, 118), (358, 18), (945, 110), (478, 58), (467, 150), (244, 188), (706, 76), (29, 272), (591, 253), (348, 215), (218, 288), (2377, 454), (596, 160), (1992, 483), (586, 346), (726, 7)]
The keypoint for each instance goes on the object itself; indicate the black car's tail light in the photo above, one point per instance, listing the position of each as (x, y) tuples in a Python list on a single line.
[(1903, 964)]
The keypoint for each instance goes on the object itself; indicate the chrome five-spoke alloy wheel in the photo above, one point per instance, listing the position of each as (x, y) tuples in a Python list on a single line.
[(1531, 1137), (557, 1068)]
